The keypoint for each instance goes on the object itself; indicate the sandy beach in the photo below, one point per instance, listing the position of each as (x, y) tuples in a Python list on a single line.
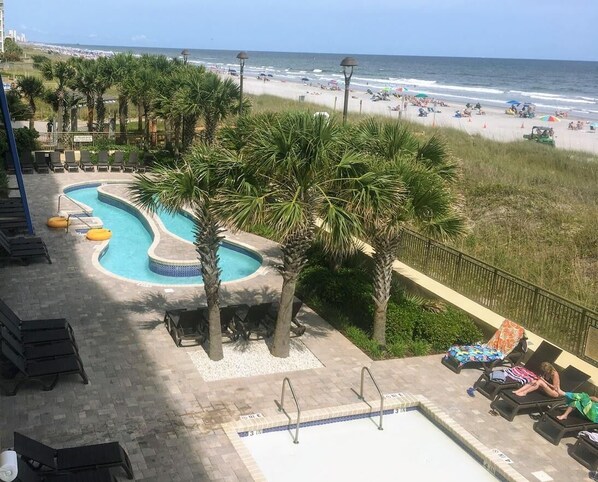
[(495, 124)]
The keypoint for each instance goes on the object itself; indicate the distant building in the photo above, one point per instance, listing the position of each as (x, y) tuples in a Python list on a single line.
[(2, 26)]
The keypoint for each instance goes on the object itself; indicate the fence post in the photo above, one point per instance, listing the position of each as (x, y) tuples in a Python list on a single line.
[(532, 314), (583, 334), (457, 272), (492, 298), (427, 255)]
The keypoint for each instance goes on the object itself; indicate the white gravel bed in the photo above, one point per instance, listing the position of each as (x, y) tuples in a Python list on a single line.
[(247, 359)]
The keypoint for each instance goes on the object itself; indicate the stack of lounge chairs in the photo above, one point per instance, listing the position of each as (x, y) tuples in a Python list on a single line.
[(12, 216), (44, 161), (22, 247)]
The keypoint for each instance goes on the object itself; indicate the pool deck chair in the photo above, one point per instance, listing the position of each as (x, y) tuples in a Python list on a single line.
[(40, 370), (185, 324), (27, 474), (85, 161), (296, 328), (27, 166), (12, 216), (69, 161), (118, 161), (75, 459), (585, 451), (37, 352), (103, 164), (509, 405), (9, 163), (133, 163), (517, 376), (553, 429), (506, 347), (24, 247), (55, 162), (41, 161)]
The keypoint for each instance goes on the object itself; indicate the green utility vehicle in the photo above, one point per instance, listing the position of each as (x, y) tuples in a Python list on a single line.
[(541, 134)]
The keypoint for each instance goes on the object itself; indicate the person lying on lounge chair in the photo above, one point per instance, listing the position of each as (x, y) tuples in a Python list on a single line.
[(549, 382), (586, 404)]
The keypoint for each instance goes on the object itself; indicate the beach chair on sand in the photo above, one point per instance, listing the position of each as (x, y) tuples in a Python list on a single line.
[(85, 161), (489, 385), (506, 347), (69, 161), (508, 405), (23, 247), (74, 459), (103, 164), (585, 450), (27, 474), (55, 162)]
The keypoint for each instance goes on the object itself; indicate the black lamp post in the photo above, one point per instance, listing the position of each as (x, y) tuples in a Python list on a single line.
[(347, 62), (242, 56), (185, 54)]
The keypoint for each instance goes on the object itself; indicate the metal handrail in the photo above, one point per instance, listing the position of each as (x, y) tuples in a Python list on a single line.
[(68, 222), (68, 218), (363, 370), (281, 406)]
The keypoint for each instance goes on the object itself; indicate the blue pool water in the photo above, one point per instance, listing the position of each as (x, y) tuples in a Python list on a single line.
[(126, 255)]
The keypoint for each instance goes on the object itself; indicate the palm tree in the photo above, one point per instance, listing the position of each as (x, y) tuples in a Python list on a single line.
[(194, 183), (423, 173), (103, 81), (300, 171), (31, 88), (123, 66), (62, 73), (84, 82)]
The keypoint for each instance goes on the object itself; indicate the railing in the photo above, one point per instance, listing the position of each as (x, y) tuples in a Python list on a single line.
[(83, 208), (554, 318), (281, 407), (363, 371)]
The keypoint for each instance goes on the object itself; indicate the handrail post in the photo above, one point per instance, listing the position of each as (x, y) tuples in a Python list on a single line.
[(363, 370), (281, 406)]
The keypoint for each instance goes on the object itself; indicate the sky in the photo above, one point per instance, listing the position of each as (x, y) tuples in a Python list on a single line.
[(541, 29)]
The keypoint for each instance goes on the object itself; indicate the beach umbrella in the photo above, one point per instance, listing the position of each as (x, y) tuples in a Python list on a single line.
[(594, 125), (549, 118), (513, 102), (421, 95)]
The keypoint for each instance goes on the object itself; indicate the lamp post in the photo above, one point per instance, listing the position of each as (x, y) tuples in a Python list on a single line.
[(347, 62), (185, 54), (242, 56)]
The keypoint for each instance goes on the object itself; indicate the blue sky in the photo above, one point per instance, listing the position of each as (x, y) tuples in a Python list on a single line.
[(546, 29)]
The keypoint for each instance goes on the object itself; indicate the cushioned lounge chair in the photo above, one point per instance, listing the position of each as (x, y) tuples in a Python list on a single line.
[(40, 159), (85, 161), (553, 429), (103, 161), (231, 321), (69, 161), (40, 370), (257, 321), (506, 347), (27, 474), (296, 327), (509, 405), (9, 164), (55, 162), (118, 161), (489, 387), (585, 451), (23, 247), (75, 459)]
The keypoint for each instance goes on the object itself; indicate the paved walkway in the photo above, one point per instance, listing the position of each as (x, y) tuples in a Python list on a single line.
[(147, 394)]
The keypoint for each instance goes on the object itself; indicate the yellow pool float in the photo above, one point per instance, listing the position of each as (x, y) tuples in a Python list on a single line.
[(98, 234), (58, 222)]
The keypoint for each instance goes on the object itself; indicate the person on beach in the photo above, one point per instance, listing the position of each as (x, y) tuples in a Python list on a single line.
[(549, 382), (586, 404)]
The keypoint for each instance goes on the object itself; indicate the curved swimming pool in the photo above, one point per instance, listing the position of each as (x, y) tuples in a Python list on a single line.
[(127, 252)]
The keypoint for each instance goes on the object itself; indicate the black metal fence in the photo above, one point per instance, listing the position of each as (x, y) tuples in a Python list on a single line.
[(556, 319)]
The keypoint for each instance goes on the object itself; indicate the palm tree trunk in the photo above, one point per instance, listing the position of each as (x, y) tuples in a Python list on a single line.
[(384, 256), (90, 113), (210, 132), (123, 114), (101, 112), (139, 118), (74, 111), (32, 118)]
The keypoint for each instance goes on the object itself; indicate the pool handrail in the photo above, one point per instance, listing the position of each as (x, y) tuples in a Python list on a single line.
[(363, 370), (281, 406), (68, 219)]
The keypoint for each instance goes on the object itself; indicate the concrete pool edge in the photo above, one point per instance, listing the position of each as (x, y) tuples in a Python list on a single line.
[(489, 460)]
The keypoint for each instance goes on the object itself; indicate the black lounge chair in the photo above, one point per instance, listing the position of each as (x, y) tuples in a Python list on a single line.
[(26, 160), (585, 451), (133, 163), (55, 162), (27, 474), (184, 324), (118, 161), (41, 160), (9, 163), (553, 429), (38, 370), (37, 352), (490, 388), (231, 321), (296, 327), (75, 459), (509, 405), (103, 164), (24, 247), (12, 217), (85, 161), (257, 321), (69, 161)]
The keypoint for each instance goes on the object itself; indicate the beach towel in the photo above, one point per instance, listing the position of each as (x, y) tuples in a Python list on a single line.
[(593, 436), (474, 353), (506, 337), (583, 403), (520, 375)]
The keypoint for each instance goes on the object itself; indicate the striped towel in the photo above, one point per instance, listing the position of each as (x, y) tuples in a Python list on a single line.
[(520, 375), (593, 436)]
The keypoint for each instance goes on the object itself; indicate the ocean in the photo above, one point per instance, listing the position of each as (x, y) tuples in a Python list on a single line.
[(549, 84)]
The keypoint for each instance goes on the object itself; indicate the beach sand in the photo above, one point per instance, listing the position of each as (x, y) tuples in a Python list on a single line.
[(495, 125)]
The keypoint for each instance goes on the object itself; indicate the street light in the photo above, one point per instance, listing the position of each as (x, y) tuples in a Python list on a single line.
[(185, 54), (347, 62), (242, 56)]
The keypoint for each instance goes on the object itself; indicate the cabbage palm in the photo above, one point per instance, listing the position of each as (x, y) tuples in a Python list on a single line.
[(31, 88), (423, 173), (123, 65), (300, 171), (195, 183), (84, 82), (62, 73)]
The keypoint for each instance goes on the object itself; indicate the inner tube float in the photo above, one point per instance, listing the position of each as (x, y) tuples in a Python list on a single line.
[(98, 234), (57, 222)]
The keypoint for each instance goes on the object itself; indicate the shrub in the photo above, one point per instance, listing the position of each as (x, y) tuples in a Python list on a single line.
[(398, 349), (362, 340), (443, 330), (420, 348)]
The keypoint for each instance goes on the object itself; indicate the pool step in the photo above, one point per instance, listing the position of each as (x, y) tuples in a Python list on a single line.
[(85, 223)]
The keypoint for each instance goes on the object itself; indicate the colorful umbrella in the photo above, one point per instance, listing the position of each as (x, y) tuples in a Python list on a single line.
[(549, 118), (421, 95), (513, 102)]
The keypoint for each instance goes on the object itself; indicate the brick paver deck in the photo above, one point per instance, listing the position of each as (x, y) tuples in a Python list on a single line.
[(147, 394)]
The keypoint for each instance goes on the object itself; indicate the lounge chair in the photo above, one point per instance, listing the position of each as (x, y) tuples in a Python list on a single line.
[(75, 459), (12, 217), (26, 160), (585, 451), (489, 387), (257, 321), (184, 324), (509, 405), (231, 320), (553, 429), (103, 164), (296, 327), (38, 370), (37, 352), (69, 161), (9, 163), (85, 161), (23, 247), (506, 347), (118, 161), (55, 162), (41, 161), (27, 474), (133, 163)]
